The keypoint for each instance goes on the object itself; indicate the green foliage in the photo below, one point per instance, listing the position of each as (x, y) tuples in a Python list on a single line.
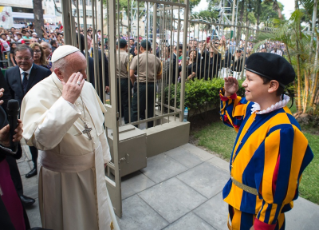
[(199, 94)]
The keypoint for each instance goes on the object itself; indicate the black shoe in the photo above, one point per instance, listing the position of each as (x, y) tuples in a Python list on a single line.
[(32, 173), (26, 201)]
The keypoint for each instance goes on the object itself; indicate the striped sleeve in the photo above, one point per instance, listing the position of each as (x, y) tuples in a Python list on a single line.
[(285, 155), (232, 109)]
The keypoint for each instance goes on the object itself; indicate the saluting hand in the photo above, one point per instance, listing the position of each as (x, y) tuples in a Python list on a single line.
[(231, 86), (73, 87)]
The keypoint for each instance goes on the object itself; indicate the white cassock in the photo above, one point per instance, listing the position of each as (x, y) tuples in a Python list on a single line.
[(72, 187)]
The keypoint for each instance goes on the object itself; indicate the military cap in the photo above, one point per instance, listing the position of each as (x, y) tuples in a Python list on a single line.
[(143, 44), (271, 66), (123, 43)]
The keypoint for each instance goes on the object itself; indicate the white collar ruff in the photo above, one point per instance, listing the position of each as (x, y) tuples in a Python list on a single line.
[(278, 105)]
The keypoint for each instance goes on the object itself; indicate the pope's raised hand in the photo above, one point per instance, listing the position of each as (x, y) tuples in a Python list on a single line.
[(231, 86), (73, 87)]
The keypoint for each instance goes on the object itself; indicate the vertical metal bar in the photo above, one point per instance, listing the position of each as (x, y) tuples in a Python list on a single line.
[(79, 24), (162, 28), (98, 67), (72, 25), (182, 96), (102, 53), (201, 54), (147, 26), (154, 48), (95, 51), (118, 66), (113, 110), (128, 51), (197, 51), (138, 58), (245, 48), (170, 62), (86, 40), (66, 21), (176, 69)]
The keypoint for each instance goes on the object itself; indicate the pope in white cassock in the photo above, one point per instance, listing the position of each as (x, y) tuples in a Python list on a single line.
[(63, 118)]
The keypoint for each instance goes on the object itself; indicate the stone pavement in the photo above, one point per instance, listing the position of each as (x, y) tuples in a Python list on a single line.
[(179, 190)]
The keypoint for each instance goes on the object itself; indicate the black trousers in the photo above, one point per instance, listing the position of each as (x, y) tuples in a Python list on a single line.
[(142, 102), (125, 98), (34, 154)]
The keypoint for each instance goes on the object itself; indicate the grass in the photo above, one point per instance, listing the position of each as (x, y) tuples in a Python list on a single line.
[(220, 139)]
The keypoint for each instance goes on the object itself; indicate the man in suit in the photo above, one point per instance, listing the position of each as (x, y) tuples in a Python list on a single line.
[(20, 79)]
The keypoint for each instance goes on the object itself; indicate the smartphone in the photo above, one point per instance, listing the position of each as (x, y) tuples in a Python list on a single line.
[(207, 39)]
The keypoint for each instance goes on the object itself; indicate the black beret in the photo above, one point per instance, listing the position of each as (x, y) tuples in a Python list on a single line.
[(271, 66), (143, 44), (123, 43)]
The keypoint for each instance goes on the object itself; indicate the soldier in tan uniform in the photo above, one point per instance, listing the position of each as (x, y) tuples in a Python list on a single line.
[(123, 62), (145, 61)]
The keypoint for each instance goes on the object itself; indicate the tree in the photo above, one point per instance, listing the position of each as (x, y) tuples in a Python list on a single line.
[(38, 17)]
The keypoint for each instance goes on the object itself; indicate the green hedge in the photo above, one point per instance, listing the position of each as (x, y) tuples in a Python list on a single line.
[(199, 94)]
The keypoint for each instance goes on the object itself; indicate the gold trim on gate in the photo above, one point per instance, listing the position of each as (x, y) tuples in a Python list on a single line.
[(244, 187)]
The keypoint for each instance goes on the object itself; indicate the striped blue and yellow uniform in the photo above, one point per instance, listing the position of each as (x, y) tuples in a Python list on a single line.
[(270, 153)]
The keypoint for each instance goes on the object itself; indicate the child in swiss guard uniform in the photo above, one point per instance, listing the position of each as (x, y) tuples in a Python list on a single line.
[(270, 151)]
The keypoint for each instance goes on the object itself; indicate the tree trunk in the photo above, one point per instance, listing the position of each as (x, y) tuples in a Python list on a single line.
[(289, 58), (306, 90), (299, 109), (258, 14), (314, 91), (241, 17), (38, 17)]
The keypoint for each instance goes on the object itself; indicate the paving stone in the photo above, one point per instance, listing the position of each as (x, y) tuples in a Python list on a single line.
[(190, 222), (220, 163), (172, 199), (214, 211), (205, 178), (24, 168), (162, 167), (31, 191), (135, 183), (185, 157), (204, 155), (137, 215), (304, 215), (34, 215)]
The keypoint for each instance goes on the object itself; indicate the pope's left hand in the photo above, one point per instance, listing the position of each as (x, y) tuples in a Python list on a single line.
[(252, 228)]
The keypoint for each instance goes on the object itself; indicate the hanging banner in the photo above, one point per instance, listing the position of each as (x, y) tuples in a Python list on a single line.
[(6, 19)]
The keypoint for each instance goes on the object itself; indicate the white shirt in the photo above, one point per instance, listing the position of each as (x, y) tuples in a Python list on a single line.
[(279, 52), (22, 71)]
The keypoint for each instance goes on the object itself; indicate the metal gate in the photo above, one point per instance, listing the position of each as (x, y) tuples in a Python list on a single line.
[(104, 22)]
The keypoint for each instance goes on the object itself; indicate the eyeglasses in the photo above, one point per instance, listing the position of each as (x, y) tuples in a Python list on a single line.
[(24, 58), (37, 51)]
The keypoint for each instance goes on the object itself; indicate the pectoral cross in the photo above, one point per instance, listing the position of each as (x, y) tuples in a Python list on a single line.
[(87, 131)]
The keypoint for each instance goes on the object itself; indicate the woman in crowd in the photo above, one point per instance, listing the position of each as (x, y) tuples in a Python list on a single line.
[(59, 40), (39, 57), (193, 66), (13, 46)]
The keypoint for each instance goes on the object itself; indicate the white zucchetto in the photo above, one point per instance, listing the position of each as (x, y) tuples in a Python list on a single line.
[(63, 51)]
